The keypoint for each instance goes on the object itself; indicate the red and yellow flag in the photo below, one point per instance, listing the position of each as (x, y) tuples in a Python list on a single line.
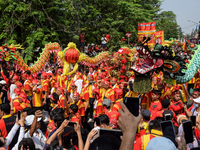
[(160, 37), (147, 29)]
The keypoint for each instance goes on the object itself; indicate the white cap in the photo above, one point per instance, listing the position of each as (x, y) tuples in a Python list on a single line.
[(3, 82), (197, 100), (29, 119)]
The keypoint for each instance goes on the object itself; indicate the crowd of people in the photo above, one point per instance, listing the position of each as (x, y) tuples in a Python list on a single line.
[(93, 49), (54, 111)]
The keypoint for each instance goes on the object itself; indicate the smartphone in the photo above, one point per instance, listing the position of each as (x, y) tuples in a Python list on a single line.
[(114, 132), (167, 117), (193, 119), (24, 144), (168, 127), (71, 124), (132, 103), (187, 128), (19, 115)]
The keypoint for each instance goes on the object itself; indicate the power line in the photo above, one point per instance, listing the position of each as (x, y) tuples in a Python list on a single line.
[(189, 26)]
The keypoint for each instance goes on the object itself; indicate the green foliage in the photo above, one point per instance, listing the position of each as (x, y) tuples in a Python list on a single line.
[(167, 21), (33, 23)]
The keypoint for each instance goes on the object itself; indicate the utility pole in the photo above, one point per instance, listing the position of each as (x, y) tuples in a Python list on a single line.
[(199, 34)]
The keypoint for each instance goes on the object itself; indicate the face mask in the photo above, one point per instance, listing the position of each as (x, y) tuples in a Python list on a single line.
[(196, 105)]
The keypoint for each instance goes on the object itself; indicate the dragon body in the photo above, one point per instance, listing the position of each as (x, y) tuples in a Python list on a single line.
[(192, 66), (163, 57)]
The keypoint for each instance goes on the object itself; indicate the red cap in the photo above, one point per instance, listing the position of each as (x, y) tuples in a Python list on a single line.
[(155, 78), (17, 91), (76, 94), (104, 74), (107, 83), (35, 76), (16, 78), (56, 85), (91, 68), (19, 85), (61, 90), (25, 76), (101, 76), (96, 90), (23, 96), (102, 65), (60, 70), (72, 83), (119, 93), (35, 81), (114, 79), (121, 85), (195, 92), (91, 76), (177, 92), (50, 74), (44, 74)]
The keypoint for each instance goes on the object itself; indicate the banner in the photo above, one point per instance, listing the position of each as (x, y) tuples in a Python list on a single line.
[(148, 30), (194, 40), (160, 37)]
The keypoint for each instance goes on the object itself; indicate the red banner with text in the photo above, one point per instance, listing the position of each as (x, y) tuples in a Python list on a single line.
[(160, 37), (149, 30)]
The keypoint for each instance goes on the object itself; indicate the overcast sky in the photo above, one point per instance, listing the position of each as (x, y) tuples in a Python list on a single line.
[(184, 10)]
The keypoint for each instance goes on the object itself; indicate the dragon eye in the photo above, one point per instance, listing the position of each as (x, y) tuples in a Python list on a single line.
[(5, 49)]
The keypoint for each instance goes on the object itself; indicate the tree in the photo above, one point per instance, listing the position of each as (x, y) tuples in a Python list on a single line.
[(33, 23), (181, 36), (167, 22)]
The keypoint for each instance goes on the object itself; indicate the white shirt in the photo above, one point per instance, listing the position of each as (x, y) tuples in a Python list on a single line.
[(12, 87), (11, 135), (86, 49), (91, 73), (38, 138), (104, 40), (114, 86), (52, 90)]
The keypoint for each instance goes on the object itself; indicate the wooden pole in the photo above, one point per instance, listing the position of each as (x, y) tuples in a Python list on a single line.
[(55, 62)]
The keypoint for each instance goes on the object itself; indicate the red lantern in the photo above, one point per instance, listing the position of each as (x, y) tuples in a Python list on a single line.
[(71, 55)]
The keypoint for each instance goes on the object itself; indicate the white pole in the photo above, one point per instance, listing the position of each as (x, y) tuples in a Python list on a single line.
[(128, 40)]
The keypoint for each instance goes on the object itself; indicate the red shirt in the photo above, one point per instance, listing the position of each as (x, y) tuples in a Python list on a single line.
[(99, 110), (76, 119), (81, 108), (113, 118), (122, 39), (108, 37), (117, 105), (82, 38), (53, 128), (139, 143), (177, 107), (155, 106), (197, 133)]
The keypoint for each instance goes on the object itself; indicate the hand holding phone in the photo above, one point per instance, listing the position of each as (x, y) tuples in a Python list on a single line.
[(187, 128), (168, 131), (132, 103), (167, 117), (193, 119), (19, 115), (114, 132), (71, 124)]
